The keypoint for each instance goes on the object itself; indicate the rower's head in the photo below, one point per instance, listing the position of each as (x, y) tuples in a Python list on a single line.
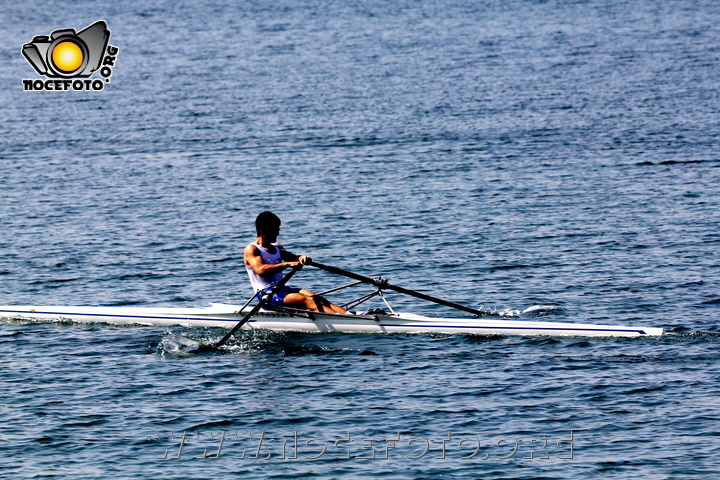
[(267, 224)]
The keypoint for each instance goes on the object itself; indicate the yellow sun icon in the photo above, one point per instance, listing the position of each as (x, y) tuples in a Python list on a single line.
[(67, 56)]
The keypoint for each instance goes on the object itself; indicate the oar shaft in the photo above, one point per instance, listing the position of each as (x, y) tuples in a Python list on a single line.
[(383, 284), (263, 301), (345, 273), (440, 301)]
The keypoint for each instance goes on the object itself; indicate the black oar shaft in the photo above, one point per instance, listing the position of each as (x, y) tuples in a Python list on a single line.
[(264, 300), (345, 273), (383, 284)]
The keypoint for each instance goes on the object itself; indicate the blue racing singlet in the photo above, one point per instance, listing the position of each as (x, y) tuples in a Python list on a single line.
[(262, 283)]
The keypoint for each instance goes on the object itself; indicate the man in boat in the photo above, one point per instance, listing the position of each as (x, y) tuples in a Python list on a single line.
[(266, 259)]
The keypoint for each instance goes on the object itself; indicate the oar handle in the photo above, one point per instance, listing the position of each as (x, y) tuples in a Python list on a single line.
[(382, 283), (263, 301)]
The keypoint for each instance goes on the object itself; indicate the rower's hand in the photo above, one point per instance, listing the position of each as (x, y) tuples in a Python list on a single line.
[(304, 259)]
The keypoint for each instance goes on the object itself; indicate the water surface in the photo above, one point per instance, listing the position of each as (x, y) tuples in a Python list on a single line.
[(497, 154)]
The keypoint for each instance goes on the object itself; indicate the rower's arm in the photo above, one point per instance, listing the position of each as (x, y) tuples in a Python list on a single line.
[(255, 261), (291, 257)]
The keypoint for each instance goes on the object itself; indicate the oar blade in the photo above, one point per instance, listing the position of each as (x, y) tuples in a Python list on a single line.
[(263, 301)]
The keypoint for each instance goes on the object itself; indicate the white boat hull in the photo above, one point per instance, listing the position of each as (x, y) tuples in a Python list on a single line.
[(223, 315)]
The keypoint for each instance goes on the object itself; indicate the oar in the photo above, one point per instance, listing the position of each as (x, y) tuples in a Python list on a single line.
[(264, 300), (381, 283)]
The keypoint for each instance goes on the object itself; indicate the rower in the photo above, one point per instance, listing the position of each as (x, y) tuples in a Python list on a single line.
[(266, 259)]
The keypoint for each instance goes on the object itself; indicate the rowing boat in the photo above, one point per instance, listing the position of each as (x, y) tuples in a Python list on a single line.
[(288, 319), (226, 315)]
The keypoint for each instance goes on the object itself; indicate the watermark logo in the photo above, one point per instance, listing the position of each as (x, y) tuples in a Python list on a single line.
[(68, 59), (347, 446)]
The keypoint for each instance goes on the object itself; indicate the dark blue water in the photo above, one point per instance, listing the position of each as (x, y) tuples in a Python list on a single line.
[(498, 154)]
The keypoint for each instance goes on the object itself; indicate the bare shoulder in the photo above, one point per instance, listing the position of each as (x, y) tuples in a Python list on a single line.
[(251, 251)]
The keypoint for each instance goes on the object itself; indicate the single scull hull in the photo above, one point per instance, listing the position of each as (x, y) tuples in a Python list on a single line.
[(222, 315)]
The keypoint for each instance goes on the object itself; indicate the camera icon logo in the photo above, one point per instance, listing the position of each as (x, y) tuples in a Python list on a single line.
[(68, 54)]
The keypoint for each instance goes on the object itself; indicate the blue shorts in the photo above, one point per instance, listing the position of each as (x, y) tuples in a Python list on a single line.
[(279, 297)]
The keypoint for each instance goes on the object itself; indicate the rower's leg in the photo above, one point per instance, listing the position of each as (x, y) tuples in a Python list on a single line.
[(307, 300), (301, 301), (323, 305), (337, 308)]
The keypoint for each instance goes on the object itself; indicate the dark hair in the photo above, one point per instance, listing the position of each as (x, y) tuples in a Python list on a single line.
[(266, 220)]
